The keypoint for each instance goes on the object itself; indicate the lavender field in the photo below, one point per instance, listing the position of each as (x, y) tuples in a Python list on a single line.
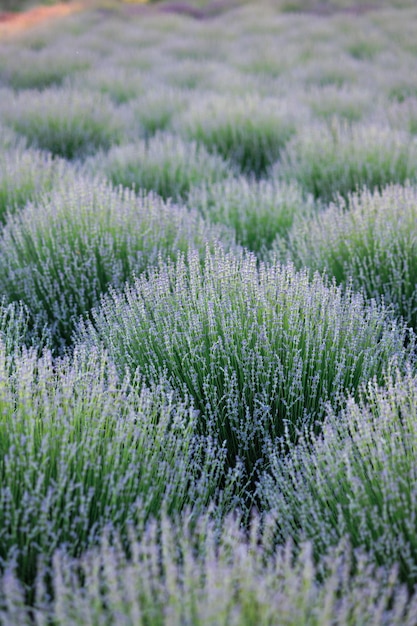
[(208, 316)]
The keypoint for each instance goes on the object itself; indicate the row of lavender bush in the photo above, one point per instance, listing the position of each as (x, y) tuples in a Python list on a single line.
[(208, 379)]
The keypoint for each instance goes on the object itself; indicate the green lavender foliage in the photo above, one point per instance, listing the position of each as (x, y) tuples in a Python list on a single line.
[(258, 211), (339, 159), (64, 121), (62, 252), (402, 115), (9, 139), (369, 242), (16, 329), (259, 365), (180, 573), (82, 449), (155, 109), (120, 84), (249, 131), (358, 478), (28, 68), (255, 348), (165, 164), (345, 103), (26, 174)]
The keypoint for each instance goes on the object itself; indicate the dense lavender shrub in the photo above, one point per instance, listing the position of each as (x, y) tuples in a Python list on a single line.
[(120, 84), (67, 122), (9, 139), (216, 359), (358, 478), (255, 348), (345, 103), (26, 174), (23, 68), (248, 130), (81, 450), (339, 159), (181, 573), (402, 115), (368, 242), (165, 164), (61, 253), (257, 210), (154, 110)]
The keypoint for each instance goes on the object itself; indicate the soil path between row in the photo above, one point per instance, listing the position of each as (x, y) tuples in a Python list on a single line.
[(15, 23)]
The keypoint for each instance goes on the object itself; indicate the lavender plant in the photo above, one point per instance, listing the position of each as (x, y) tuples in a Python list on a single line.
[(358, 478), (27, 173), (66, 122), (165, 164), (82, 449), (120, 84), (402, 115), (29, 68), (345, 103), (8, 138), (257, 210), (178, 574), (339, 159), (368, 242), (255, 348), (155, 109), (250, 131), (61, 253)]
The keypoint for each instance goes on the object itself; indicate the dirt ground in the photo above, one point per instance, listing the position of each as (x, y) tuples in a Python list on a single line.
[(14, 23)]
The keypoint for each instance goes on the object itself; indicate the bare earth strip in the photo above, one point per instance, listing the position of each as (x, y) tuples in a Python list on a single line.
[(14, 23)]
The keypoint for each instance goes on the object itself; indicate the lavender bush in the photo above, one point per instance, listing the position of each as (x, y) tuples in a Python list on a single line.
[(256, 349), (358, 478), (82, 449), (155, 109), (402, 115), (345, 103), (250, 131), (61, 253), (257, 210), (66, 122), (8, 138), (40, 67), (339, 159), (120, 84), (27, 173), (165, 164), (117, 468), (368, 242), (181, 574)]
